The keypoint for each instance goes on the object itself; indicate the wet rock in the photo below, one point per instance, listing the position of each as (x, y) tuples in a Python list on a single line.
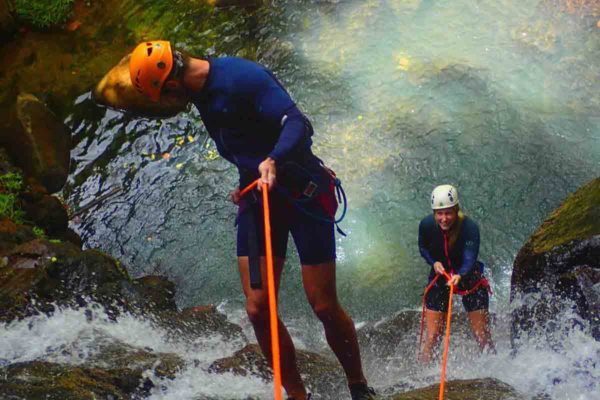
[(12, 234), (118, 355), (39, 275), (115, 90), (559, 266), (8, 23), (157, 293), (42, 144), (45, 211), (489, 389), (321, 375), (44, 380), (200, 321), (539, 35)]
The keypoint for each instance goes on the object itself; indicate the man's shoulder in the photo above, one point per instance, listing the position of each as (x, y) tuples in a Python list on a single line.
[(237, 65)]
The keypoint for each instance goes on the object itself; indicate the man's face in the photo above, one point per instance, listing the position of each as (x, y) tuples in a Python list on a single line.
[(446, 217)]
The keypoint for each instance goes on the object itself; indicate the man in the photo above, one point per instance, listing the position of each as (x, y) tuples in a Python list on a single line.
[(449, 242), (257, 126)]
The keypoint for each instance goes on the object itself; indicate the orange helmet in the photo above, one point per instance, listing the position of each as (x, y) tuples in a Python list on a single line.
[(149, 66)]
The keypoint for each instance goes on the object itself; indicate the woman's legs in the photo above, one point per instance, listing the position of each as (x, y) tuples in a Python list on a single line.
[(481, 329), (434, 324)]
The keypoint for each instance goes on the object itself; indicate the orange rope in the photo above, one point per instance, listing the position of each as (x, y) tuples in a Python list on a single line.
[(446, 340), (272, 295), (248, 188)]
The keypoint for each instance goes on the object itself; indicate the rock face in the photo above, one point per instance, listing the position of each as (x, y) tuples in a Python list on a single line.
[(8, 24), (116, 373), (489, 389), (42, 145), (321, 375), (115, 90), (561, 261)]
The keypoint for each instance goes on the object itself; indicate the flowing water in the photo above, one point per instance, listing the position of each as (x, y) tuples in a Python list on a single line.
[(497, 97)]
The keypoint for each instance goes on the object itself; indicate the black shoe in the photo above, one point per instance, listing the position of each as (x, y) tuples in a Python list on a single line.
[(360, 391)]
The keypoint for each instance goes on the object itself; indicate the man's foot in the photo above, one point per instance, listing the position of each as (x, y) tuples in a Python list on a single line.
[(360, 391)]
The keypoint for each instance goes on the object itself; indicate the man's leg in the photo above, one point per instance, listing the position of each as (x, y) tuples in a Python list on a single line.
[(320, 287), (434, 323), (257, 308), (481, 329)]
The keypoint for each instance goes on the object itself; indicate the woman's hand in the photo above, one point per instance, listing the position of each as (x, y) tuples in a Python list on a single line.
[(268, 173), (234, 196), (438, 267)]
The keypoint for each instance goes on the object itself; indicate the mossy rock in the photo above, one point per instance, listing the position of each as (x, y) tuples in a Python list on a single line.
[(321, 375), (118, 355), (577, 218), (488, 389), (548, 275), (40, 380), (44, 14)]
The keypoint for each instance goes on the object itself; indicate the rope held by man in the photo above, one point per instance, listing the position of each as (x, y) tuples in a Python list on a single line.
[(273, 319)]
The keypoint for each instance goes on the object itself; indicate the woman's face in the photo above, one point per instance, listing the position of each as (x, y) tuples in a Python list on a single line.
[(446, 217)]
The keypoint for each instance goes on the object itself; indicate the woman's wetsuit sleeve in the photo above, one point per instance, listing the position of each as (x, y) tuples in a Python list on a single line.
[(471, 249), (423, 244)]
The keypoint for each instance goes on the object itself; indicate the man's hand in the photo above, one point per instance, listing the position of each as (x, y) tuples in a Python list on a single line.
[(268, 173), (438, 267), (234, 196), (454, 280)]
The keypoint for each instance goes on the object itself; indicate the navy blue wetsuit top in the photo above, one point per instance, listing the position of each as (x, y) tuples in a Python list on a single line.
[(249, 114), (463, 254)]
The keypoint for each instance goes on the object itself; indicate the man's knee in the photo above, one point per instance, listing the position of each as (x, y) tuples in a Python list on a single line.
[(325, 310), (257, 310)]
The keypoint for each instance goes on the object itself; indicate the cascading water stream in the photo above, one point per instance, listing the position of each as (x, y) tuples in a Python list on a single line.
[(497, 97)]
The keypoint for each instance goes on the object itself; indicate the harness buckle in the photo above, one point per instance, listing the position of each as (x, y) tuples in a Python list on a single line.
[(310, 189)]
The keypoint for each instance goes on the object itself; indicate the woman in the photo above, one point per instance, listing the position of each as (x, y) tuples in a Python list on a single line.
[(449, 242)]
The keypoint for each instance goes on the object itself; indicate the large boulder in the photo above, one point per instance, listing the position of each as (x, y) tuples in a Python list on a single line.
[(559, 266), (116, 90), (116, 371), (322, 375), (489, 389), (39, 142)]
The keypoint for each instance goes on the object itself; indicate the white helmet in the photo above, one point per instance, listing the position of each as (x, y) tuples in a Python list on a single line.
[(444, 196)]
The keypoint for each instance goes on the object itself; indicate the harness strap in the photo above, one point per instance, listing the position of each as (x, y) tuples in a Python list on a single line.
[(253, 248), (311, 190), (481, 282)]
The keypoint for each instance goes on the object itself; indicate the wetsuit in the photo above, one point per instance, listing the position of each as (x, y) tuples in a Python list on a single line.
[(250, 116), (461, 258)]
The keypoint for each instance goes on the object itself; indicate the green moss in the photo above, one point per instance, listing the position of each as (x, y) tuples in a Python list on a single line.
[(10, 185), (39, 232), (578, 217), (44, 13)]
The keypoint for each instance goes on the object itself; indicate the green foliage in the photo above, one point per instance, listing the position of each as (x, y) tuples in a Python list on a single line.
[(44, 13), (39, 232), (10, 185)]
